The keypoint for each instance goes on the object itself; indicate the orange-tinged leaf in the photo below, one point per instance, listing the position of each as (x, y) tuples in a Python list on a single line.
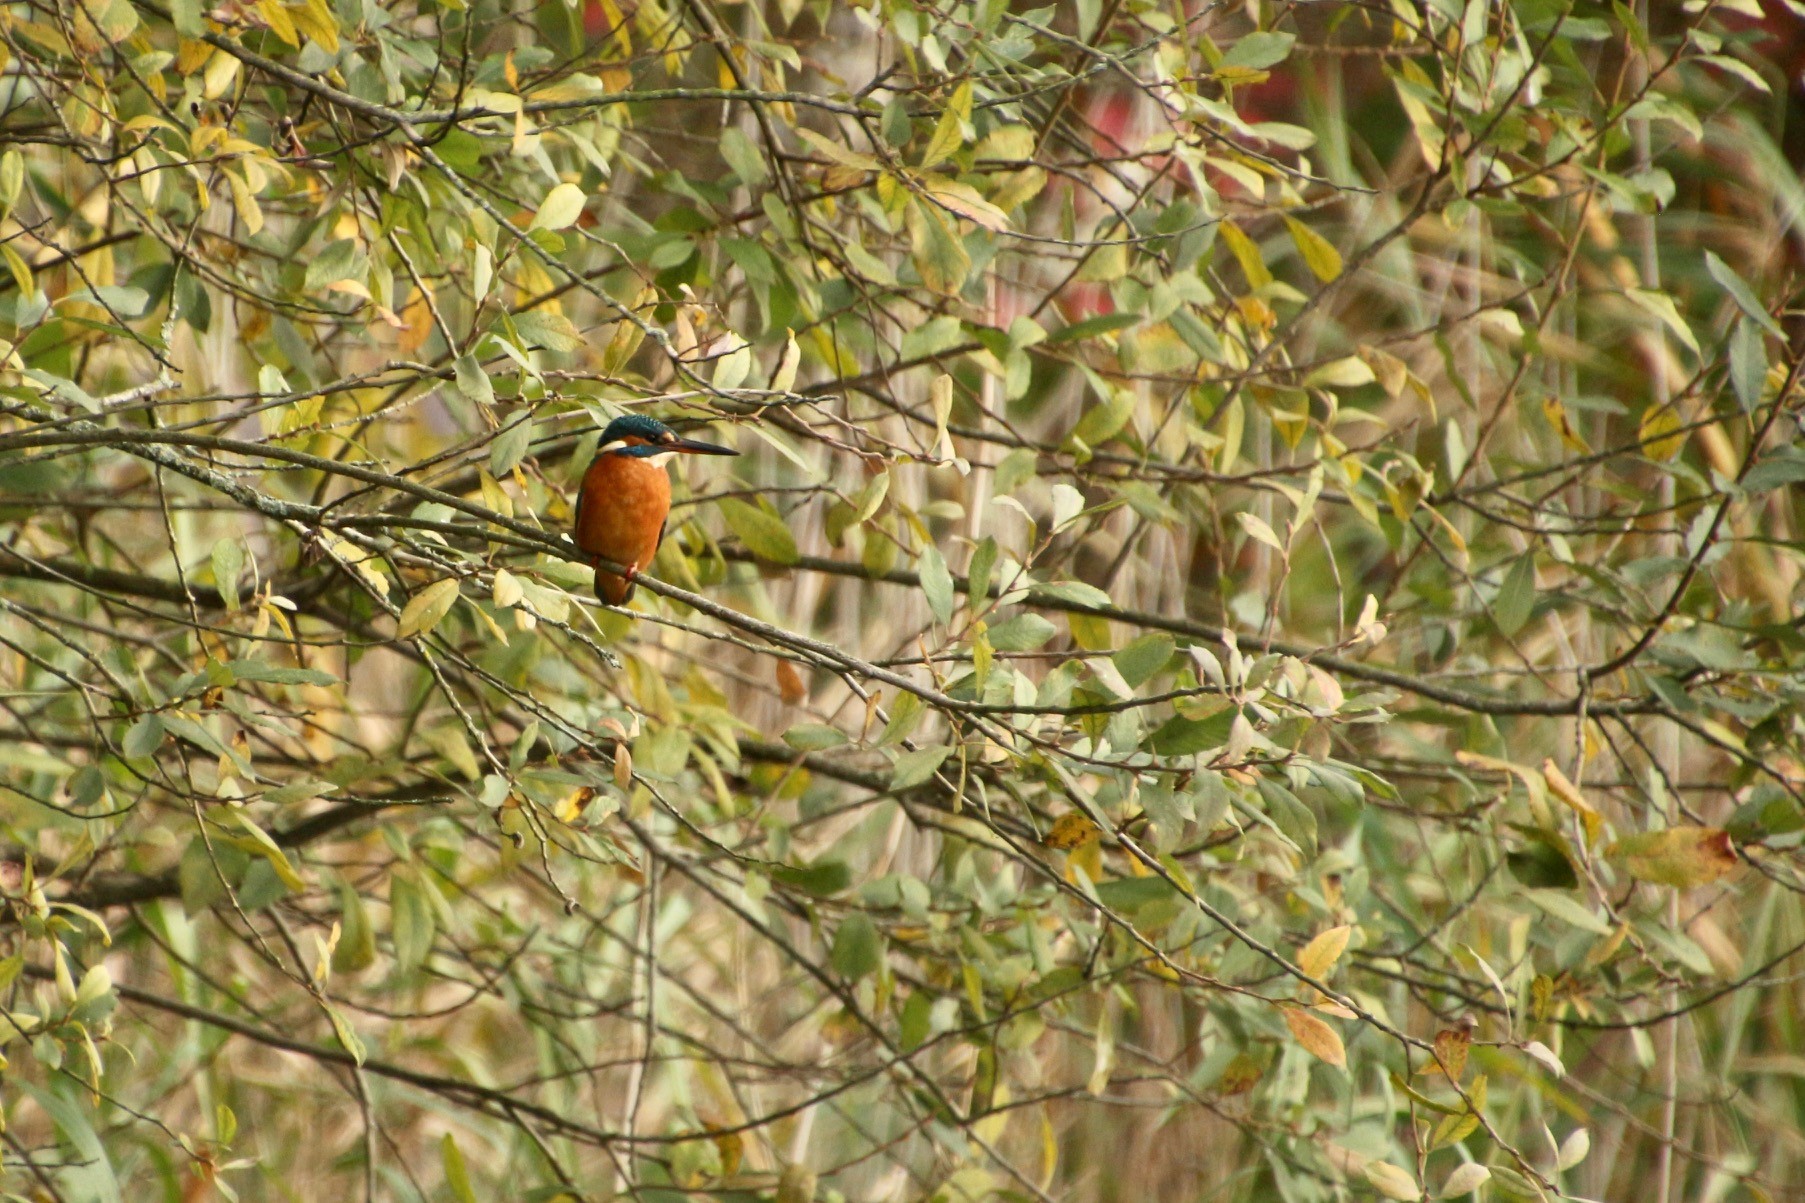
[(964, 200), (1681, 857), (1240, 1076), (1318, 1038), (1451, 1045), (1561, 787)]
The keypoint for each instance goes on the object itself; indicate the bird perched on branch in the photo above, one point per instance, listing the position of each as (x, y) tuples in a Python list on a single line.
[(625, 498)]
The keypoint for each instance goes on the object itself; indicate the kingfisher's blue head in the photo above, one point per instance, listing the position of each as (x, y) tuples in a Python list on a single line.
[(646, 437)]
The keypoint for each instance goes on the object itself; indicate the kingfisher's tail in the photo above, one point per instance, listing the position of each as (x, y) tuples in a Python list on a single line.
[(613, 588)]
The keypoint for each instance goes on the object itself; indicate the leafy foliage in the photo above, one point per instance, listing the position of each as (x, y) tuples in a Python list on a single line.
[(1252, 649)]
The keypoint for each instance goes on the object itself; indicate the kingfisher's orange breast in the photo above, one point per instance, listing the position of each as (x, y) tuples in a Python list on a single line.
[(620, 516)]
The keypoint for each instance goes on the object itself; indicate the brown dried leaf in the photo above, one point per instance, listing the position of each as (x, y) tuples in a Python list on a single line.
[(789, 683)]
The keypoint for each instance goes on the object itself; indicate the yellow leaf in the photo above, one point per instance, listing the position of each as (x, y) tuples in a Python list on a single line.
[(270, 851), (221, 70), (1321, 953), (1681, 857), (427, 608), (279, 22), (1072, 830), (1246, 254), (1556, 413), (21, 271), (1391, 1181), (837, 154), (951, 130), (560, 208), (249, 212), (316, 20), (1317, 1037), (1660, 434), (1320, 255), (507, 589)]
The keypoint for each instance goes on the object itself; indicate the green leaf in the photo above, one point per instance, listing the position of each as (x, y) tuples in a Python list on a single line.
[(90, 1174), (741, 155), (472, 381), (905, 716), (1076, 593), (457, 1177), (1774, 472), (347, 1035), (340, 260), (1180, 736), (1140, 660), (412, 926), (763, 532), (937, 584), (510, 445), (143, 738), (814, 737), (950, 131), (977, 576), (278, 674), (1662, 306), (1093, 327), (940, 257), (356, 948), (914, 768), (543, 328), (228, 566), (1568, 910), (1516, 597), (1748, 364), (858, 949), (1102, 422), (427, 608), (1742, 294), (1259, 50), (1023, 633), (185, 15), (823, 878)]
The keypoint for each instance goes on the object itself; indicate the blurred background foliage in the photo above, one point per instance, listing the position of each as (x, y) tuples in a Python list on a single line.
[(1252, 651)]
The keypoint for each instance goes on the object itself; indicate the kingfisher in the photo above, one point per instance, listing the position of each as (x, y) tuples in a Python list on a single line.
[(625, 499)]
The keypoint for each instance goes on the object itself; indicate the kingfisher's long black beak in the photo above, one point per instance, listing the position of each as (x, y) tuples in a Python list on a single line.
[(697, 447)]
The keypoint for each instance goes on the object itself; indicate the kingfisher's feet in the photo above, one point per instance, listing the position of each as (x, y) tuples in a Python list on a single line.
[(631, 571)]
